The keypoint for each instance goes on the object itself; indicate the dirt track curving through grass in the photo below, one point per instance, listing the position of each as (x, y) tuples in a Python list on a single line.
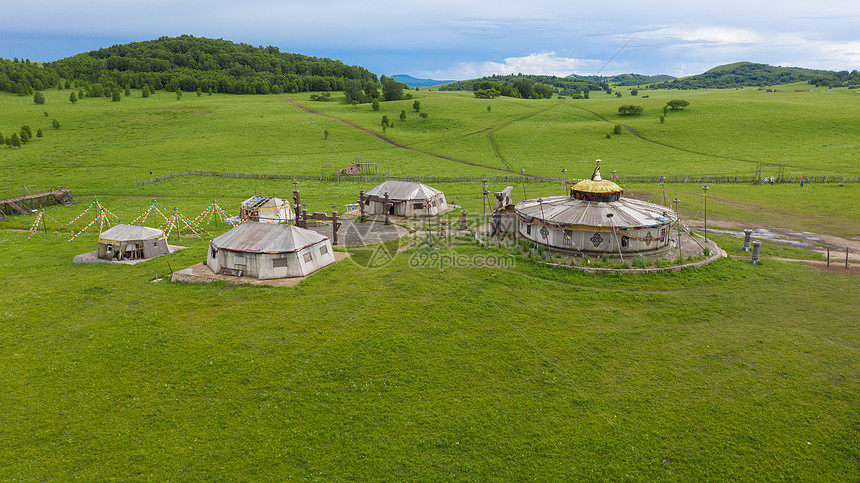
[(636, 134), (403, 146)]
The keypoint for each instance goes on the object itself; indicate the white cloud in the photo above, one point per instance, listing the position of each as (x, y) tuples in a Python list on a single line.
[(706, 34), (545, 63)]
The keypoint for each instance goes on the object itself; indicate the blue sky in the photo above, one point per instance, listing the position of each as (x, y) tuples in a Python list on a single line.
[(447, 39)]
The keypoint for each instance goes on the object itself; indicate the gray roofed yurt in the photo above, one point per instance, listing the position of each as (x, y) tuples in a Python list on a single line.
[(130, 242), (595, 218), (408, 199), (266, 251)]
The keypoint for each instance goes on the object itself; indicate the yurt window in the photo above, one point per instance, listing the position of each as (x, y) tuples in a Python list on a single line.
[(308, 257), (528, 229), (323, 250), (279, 262), (417, 206), (567, 239)]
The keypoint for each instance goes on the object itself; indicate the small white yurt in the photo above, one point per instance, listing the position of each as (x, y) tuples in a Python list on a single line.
[(131, 242), (266, 209), (408, 199), (267, 251)]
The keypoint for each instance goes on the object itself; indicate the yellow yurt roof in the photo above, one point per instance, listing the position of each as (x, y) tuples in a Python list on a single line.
[(597, 184)]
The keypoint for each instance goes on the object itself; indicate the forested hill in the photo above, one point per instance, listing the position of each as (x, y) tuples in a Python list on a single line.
[(625, 79), (742, 74), (186, 63)]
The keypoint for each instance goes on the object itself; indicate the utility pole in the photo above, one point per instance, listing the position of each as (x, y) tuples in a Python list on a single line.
[(705, 190)]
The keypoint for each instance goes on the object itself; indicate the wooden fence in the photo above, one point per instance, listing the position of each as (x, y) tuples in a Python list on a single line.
[(495, 179)]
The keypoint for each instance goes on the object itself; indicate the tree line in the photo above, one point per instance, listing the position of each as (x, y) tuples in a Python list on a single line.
[(527, 86), (838, 79), (743, 74), (184, 63)]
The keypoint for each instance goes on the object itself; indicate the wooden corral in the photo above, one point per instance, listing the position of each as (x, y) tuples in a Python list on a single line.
[(24, 205)]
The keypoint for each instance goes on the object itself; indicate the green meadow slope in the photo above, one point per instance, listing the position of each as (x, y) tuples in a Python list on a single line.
[(423, 371)]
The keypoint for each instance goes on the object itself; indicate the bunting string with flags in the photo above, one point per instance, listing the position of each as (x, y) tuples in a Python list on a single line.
[(209, 214), (103, 216), (174, 222), (143, 217), (35, 225)]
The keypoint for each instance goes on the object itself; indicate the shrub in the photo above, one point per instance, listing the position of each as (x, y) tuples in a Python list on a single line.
[(630, 110), (677, 104)]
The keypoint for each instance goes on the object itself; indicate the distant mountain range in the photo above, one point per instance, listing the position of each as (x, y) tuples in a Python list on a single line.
[(413, 82)]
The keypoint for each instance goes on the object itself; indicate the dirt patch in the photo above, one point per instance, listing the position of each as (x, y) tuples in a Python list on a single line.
[(200, 273), (787, 237)]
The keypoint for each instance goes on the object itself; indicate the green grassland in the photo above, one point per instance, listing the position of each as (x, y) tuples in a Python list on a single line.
[(729, 372)]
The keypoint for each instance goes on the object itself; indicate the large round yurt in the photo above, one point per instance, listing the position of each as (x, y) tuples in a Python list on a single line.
[(131, 242), (267, 251), (595, 218)]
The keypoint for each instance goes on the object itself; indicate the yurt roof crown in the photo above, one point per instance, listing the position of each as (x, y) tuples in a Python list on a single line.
[(596, 188)]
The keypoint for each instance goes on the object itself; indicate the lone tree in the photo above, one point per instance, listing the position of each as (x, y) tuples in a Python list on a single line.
[(39, 132), (115, 95), (402, 115), (375, 104), (392, 90), (38, 97), (416, 105), (145, 91), (73, 98), (630, 110), (15, 141), (677, 104), (56, 124)]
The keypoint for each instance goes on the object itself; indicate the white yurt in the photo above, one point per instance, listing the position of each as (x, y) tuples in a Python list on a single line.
[(266, 251), (407, 199), (266, 209), (131, 242), (595, 218)]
